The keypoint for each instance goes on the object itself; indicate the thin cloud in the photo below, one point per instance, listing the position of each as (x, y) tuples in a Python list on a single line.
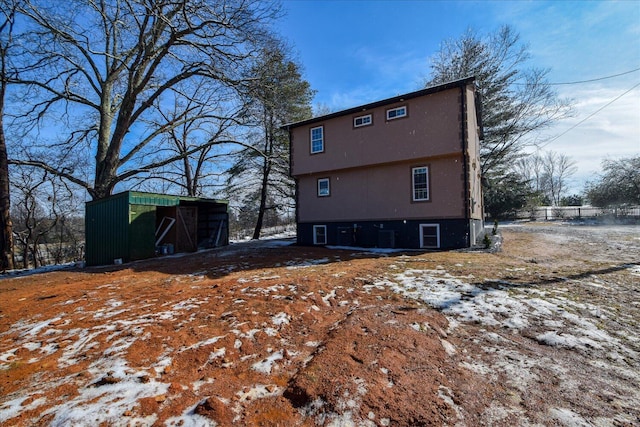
[(613, 132)]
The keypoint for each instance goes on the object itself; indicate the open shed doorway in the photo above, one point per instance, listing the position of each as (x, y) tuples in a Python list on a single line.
[(189, 226), (177, 228)]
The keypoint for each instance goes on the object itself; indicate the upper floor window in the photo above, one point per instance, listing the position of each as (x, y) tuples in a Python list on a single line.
[(362, 121), (317, 140), (420, 183), (323, 187), (396, 113)]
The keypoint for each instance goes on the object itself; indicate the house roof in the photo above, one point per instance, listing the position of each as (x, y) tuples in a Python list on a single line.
[(398, 98)]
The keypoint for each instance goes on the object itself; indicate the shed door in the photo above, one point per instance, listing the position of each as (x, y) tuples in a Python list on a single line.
[(186, 229)]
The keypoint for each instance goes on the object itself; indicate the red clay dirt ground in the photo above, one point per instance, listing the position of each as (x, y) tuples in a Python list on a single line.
[(544, 332)]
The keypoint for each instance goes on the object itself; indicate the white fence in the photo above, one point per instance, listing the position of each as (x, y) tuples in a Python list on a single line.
[(562, 212)]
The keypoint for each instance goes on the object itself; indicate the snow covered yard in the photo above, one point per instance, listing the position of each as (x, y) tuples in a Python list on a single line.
[(562, 334), (253, 334), (264, 333)]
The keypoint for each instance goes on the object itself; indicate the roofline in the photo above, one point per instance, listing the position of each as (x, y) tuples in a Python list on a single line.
[(174, 196), (397, 98)]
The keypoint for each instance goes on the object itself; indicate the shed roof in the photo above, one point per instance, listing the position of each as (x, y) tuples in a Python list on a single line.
[(398, 98), (155, 199)]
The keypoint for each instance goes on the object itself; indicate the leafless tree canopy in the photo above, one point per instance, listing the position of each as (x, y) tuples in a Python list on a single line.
[(547, 174), (43, 212), (105, 74)]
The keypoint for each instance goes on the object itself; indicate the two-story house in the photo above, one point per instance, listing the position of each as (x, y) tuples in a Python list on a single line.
[(402, 172)]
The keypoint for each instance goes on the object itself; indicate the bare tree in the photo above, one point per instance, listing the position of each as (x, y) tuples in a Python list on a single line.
[(39, 198), (105, 69), (530, 168), (208, 114), (558, 169), (516, 101), (547, 174), (7, 19)]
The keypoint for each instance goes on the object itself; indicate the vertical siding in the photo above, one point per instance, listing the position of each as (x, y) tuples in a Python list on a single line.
[(142, 227), (107, 231)]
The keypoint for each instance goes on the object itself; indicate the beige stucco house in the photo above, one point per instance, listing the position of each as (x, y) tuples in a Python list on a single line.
[(402, 172)]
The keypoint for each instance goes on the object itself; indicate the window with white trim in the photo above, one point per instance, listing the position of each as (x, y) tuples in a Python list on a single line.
[(429, 236), (323, 187), (360, 121), (319, 234), (317, 139), (396, 113), (420, 183)]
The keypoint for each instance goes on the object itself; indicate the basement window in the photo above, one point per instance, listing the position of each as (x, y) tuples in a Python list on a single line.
[(430, 236), (319, 234)]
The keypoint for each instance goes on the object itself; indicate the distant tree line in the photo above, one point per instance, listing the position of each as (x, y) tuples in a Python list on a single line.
[(541, 179)]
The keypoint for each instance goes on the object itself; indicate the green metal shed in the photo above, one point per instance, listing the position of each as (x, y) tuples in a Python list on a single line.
[(134, 225)]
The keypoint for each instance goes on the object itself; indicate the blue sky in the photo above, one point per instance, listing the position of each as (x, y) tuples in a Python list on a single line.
[(355, 52)]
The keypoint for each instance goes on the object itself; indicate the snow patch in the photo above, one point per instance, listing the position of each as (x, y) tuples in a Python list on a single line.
[(281, 319), (567, 417), (327, 297), (105, 404), (266, 365), (555, 339), (446, 395), (12, 408), (293, 265), (190, 419), (506, 305), (448, 347), (203, 343)]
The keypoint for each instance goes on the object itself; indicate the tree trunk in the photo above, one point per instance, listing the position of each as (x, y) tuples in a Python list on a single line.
[(34, 254), (6, 229), (266, 170), (25, 257), (263, 197), (103, 185), (189, 180)]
